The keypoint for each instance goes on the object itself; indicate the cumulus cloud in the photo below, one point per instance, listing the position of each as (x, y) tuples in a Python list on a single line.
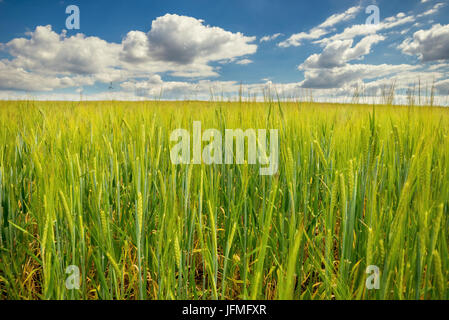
[(184, 40), (48, 52), (47, 60), (429, 45), (135, 47), (339, 52)]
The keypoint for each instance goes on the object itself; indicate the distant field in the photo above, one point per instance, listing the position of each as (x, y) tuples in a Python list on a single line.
[(91, 185)]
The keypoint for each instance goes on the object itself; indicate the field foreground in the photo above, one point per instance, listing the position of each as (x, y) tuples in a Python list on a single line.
[(91, 185)]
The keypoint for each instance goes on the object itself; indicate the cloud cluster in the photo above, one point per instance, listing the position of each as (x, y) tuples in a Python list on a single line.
[(429, 45), (183, 46), (17, 78), (332, 69), (360, 30), (324, 28)]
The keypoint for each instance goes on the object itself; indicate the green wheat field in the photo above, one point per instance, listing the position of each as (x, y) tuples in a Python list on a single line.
[(91, 184)]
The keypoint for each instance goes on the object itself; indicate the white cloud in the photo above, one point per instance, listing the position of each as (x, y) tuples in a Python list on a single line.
[(48, 52), (331, 69), (429, 45), (407, 79), (342, 76), (371, 92), (177, 89), (296, 39), (431, 11), (270, 37), (339, 52), (244, 61), (369, 29), (321, 30), (340, 17), (181, 40), (184, 40), (443, 86), (439, 66), (202, 89), (135, 47), (12, 78)]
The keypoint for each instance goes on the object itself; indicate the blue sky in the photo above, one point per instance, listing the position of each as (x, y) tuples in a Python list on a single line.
[(187, 48)]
